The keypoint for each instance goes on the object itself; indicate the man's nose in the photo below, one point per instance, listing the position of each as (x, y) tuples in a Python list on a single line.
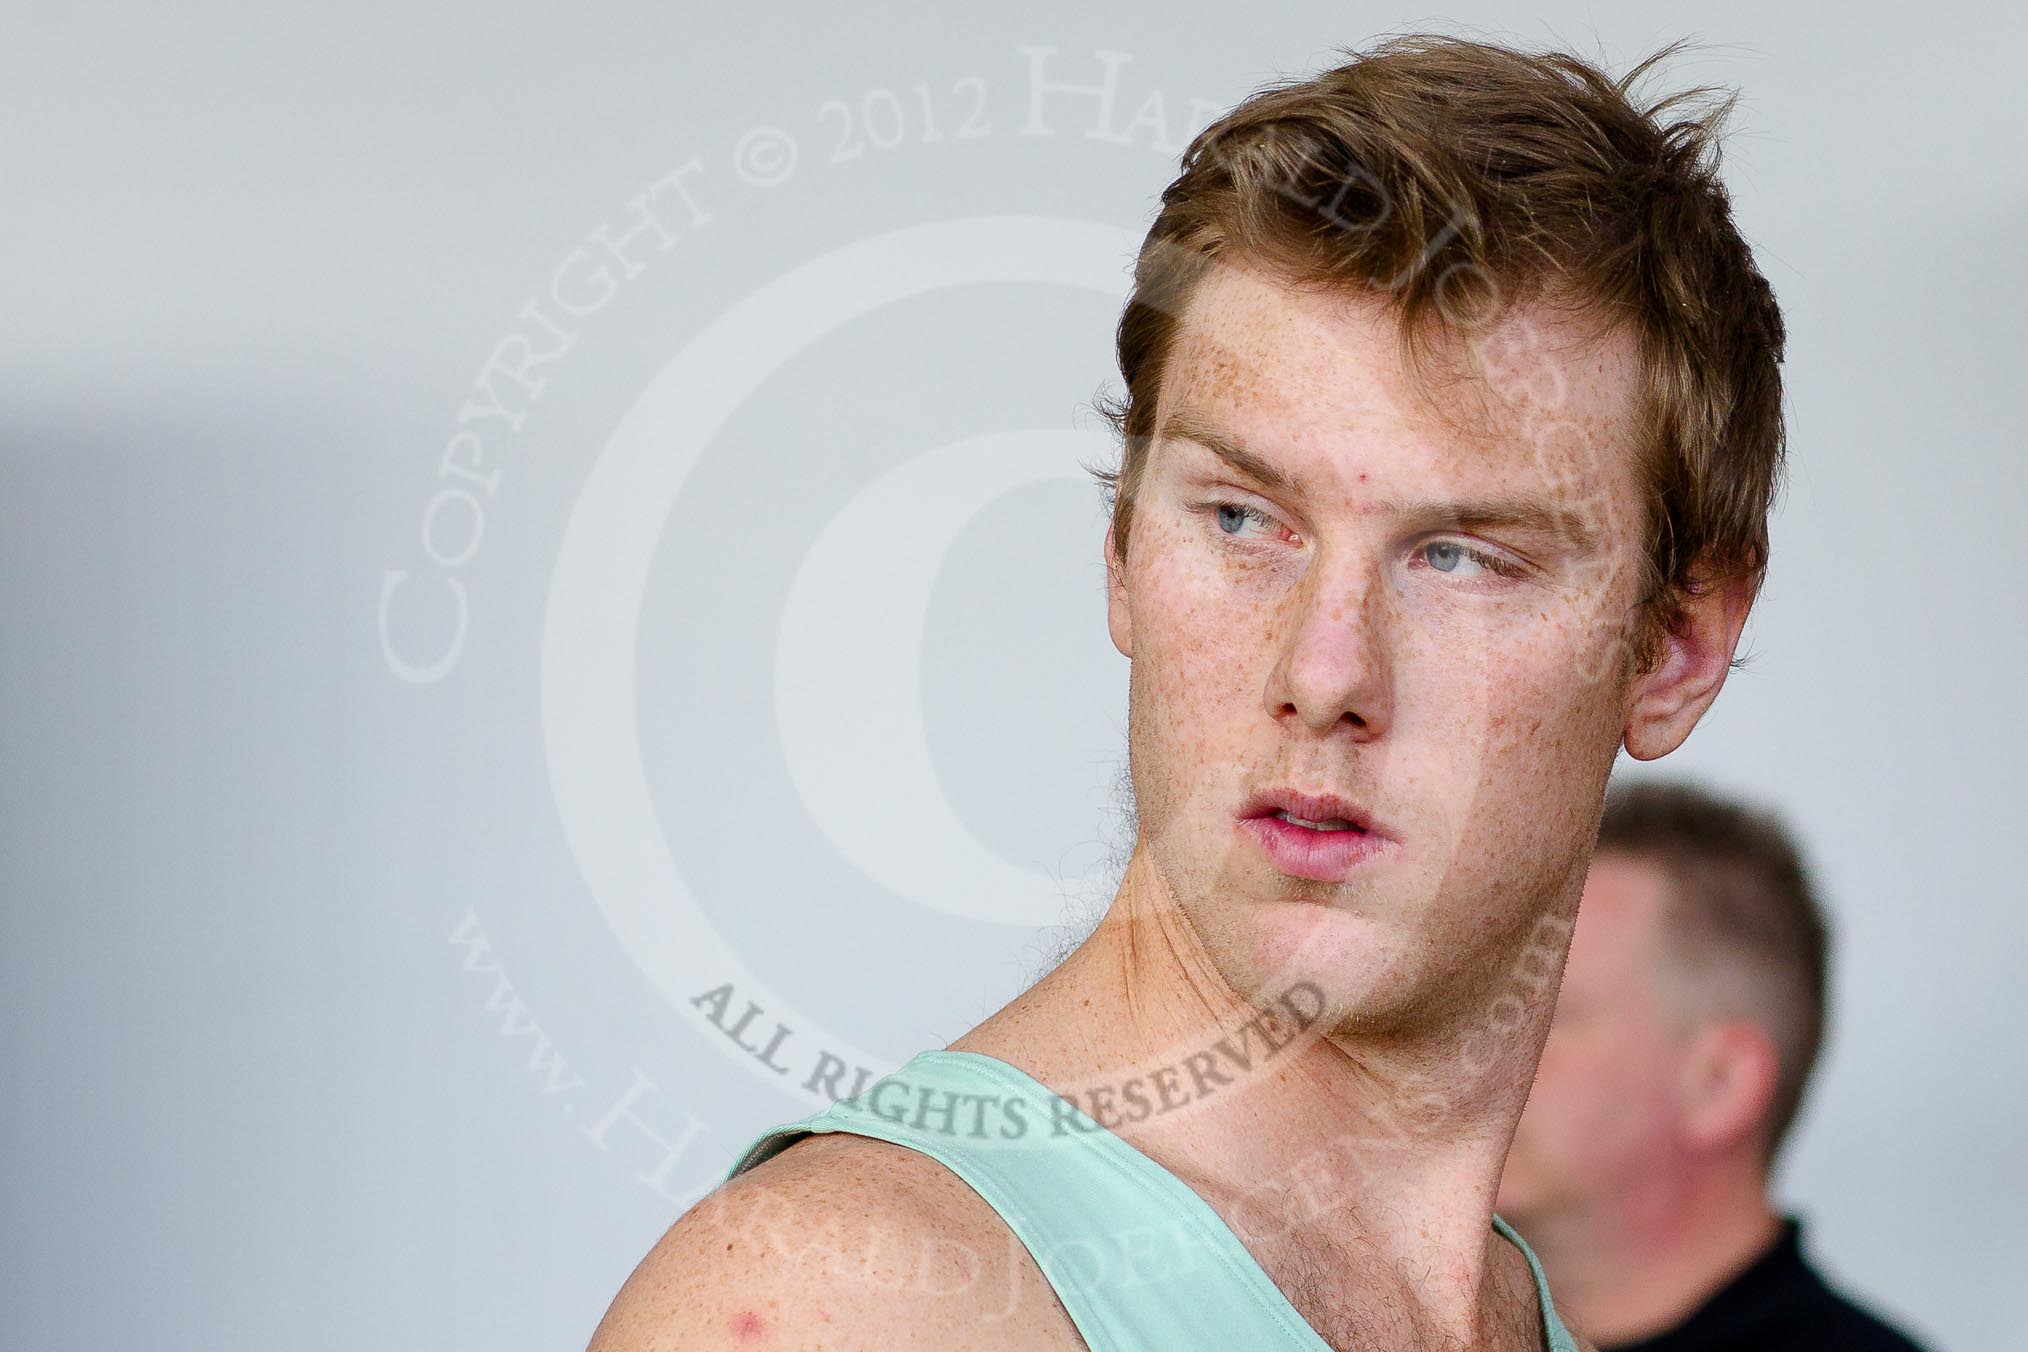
[(1334, 664)]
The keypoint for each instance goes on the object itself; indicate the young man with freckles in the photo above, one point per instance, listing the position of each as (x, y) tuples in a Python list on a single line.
[(1451, 425)]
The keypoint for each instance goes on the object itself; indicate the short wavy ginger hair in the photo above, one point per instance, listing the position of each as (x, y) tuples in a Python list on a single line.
[(1454, 177)]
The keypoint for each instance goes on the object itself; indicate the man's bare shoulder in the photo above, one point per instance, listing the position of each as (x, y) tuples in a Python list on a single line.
[(838, 1242)]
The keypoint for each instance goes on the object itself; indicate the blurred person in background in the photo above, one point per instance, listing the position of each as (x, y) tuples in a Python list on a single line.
[(1691, 1013)]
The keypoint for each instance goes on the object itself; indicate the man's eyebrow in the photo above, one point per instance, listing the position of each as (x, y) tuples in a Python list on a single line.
[(1531, 515), (1189, 425), (1528, 514)]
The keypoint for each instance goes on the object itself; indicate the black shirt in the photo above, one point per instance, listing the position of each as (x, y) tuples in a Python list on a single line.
[(1779, 1304)]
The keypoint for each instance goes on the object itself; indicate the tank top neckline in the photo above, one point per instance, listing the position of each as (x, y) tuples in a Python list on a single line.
[(1555, 1335)]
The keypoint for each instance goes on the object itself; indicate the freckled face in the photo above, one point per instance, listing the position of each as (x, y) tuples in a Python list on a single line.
[(1427, 617)]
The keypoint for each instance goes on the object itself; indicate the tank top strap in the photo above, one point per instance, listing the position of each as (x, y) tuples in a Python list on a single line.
[(1137, 1258), (1557, 1335)]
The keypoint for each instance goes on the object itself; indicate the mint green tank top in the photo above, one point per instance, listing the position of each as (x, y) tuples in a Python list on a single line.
[(1136, 1256)]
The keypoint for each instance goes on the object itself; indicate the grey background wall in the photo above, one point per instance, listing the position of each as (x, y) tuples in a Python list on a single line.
[(451, 625)]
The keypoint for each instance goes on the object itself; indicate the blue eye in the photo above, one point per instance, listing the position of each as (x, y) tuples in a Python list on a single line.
[(1236, 515), (1446, 555), (1454, 559)]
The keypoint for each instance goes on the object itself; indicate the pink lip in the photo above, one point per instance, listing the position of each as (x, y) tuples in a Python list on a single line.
[(1323, 856)]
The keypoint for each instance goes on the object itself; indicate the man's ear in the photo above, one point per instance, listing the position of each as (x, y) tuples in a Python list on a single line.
[(1696, 653), (1119, 621), (1728, 1084)]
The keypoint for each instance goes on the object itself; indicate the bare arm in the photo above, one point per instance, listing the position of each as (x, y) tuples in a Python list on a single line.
[(838, 1243)]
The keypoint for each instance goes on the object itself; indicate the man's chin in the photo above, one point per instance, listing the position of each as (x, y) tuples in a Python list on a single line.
[(1338, 990), (1335, 951)]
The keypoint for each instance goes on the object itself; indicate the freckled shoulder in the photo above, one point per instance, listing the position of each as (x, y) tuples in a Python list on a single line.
[(838, 1242)]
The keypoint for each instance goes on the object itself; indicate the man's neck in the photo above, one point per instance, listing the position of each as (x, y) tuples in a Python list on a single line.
[(1391, 1149), (1644, 1269)]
